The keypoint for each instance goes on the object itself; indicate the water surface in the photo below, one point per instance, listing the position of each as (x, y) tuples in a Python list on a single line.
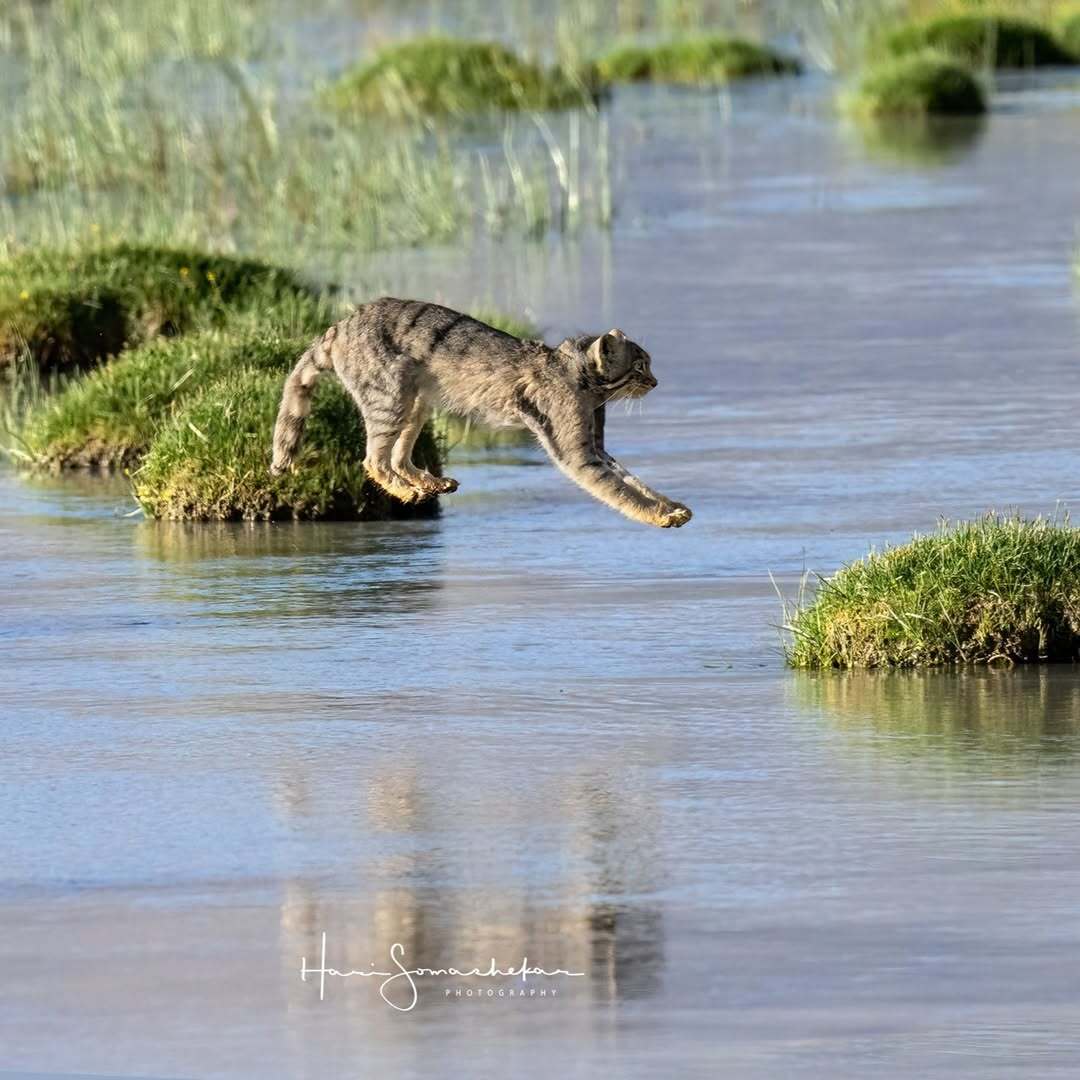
[(531, 728)]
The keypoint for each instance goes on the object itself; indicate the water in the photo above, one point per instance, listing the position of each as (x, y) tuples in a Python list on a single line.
[(532, 728)]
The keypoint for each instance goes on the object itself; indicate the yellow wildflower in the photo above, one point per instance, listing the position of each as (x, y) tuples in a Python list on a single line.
[(211, 276), (184, 271), (24, 295)]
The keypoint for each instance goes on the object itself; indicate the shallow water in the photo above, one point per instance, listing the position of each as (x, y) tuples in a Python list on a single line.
[(533, 728)]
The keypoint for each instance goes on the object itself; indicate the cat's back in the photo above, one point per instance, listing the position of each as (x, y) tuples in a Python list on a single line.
[(424, 329)]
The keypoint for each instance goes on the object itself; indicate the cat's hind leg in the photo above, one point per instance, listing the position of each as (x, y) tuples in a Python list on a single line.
[(380, 391), (401, 455)]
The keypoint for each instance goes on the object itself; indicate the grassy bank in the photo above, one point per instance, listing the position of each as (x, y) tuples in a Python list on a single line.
[(997, 589), (109, 418), (983, 40), (209, 462), (912, 87), (70, 310), (443, 76), (191, 418), (704, 59), (1067, 25)]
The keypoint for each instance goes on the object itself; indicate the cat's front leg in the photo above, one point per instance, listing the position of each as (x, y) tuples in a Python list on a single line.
[(639, 485), (616, 488)]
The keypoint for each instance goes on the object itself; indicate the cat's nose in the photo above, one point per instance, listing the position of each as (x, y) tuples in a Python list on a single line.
[(651, 383)]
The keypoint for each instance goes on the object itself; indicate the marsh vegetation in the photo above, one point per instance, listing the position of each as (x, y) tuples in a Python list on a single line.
[(1000, 589), (704, 60), (983, 40), (922, 85)]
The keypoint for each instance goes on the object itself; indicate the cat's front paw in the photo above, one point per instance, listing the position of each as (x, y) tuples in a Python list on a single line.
[(674, 517)]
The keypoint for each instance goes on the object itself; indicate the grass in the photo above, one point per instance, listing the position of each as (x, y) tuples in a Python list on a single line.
[(443, 76), (192, 418), (990, 40), (108, 418), (704, 59), (210, 460), (161, 125), (922, 85), (73, 310), (997, 589), (1067, 26)]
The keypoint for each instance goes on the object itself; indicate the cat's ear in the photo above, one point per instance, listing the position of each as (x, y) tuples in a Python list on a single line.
[(604, 350), (598, 355)]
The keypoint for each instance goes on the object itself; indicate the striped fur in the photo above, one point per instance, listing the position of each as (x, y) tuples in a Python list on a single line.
[(401, 358)]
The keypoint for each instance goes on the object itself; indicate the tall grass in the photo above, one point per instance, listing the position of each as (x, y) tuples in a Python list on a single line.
[(185, 123)]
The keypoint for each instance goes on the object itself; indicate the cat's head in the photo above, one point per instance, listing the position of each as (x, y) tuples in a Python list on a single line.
[(620, 366)]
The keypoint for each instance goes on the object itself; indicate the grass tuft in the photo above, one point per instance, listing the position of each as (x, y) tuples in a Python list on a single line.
[(703, 60), (980, 40), (210, 461), (922, 85), (73, 310), (440, 76), (996, 589), (1068, 29), (108, 418)]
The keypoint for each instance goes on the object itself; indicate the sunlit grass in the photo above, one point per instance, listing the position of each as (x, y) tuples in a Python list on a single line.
[(704, 59), (1067, 25), (109, 417), (997, 589), (982, 40), (151, 124), (911, 87), (64, 309), (210, 460), (443, 76)]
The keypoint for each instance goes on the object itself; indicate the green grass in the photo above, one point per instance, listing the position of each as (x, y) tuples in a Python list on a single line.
[(210, 461), (73, 310), (704, 59), (441, 76), (997, 589), (979, 40), (201, 125), (1067, 26), (192, 417), (108, 418), (922, 85)]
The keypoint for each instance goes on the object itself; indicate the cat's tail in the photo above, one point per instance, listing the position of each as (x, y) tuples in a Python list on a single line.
[(296, 400)]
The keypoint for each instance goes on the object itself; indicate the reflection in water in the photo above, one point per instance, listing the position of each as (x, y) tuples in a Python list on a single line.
[(352, 568), (521, 729), (931, 140), (1021, 711), (620, 846), (426, 886), (80, 482)]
